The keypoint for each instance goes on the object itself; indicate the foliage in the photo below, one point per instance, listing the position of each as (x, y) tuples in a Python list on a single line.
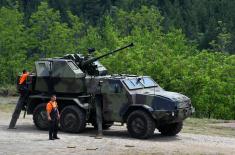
[(48, 35), (198, 19), (12, 44)]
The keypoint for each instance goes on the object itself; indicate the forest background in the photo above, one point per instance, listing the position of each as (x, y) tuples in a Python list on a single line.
[(187, 46)]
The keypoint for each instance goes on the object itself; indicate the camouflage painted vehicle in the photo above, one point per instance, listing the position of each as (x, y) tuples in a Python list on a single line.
[(80, 82)]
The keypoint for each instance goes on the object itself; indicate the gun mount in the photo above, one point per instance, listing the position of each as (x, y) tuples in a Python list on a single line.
[(89, 64)]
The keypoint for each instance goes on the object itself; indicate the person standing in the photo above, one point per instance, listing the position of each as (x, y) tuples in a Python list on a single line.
[(53, 117)]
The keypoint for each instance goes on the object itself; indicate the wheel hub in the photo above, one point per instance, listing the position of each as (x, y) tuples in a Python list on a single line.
[(69, 120), (138, 125)]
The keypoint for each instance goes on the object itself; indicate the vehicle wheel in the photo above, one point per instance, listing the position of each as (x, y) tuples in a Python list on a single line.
[(171, 129), (40, 117), (140, 124), (73, 119)]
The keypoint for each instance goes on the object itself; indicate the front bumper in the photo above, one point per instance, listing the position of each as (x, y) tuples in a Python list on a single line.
[(163, 116)]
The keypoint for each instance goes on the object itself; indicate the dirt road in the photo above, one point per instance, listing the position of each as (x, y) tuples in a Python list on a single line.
[(27, 140)]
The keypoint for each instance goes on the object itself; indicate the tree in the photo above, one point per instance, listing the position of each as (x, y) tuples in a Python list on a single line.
[(223, 40), (47, 34), (12, 44)]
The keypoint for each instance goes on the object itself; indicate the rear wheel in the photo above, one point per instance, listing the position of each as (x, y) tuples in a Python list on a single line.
[(171, 129), (40, 117), (140, 124), (73, 119)]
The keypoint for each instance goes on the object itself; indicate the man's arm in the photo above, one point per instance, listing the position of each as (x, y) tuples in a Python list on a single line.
[(48, 116), (58, 114)]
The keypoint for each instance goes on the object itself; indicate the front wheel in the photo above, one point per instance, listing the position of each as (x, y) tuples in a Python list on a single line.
[(140, 124), (40, 117), (73, 119), (171, 129)]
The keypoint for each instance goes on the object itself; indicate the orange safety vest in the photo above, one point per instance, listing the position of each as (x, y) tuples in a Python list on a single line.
[(23, 78), (51, 105)]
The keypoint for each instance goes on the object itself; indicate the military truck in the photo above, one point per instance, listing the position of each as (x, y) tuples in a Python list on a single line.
[(82, 82)]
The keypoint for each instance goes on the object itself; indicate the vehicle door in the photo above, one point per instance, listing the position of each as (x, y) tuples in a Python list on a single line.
[(115, 100)]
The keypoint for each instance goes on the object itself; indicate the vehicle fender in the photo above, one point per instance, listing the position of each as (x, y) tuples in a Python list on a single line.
[(134, 107), (38, 99), (77, 102)]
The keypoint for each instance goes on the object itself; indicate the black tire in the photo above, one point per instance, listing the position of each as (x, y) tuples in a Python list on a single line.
[(40, 117), (140, 124), (171, 129), (73, 119)]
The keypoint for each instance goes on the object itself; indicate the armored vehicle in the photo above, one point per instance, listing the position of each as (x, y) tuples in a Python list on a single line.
[(86, 93)]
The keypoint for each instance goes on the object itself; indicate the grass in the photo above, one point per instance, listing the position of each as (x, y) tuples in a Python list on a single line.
[(208, 127)]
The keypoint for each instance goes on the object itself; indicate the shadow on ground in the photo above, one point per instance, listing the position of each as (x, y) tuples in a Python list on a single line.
[(91, 132)]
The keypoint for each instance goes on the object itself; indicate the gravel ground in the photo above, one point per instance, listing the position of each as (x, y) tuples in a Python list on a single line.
[(27, 140), (6, 100), (229, 125)]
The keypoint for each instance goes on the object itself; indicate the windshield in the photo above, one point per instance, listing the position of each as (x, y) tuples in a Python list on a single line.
[(148, 82), (138, 83), (133, 83)]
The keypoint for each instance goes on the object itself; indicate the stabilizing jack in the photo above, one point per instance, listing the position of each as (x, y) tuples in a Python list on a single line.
[(99, 118), (19, 106)]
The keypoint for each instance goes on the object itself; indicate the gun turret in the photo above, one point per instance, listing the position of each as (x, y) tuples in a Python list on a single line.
[(89, 64), (89, 61), (92, 67)]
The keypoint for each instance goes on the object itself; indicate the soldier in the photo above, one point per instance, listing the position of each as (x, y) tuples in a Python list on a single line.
[(53, 117)]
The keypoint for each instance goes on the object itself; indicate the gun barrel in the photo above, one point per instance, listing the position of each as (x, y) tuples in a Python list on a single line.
[(97, 58)]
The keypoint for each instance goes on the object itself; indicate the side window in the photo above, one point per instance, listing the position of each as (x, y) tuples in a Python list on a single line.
[(42, 68), (115, 88)]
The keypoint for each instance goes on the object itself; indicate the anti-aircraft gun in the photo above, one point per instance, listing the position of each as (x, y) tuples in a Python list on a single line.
[(89, 64), (65, 76), (81, 83)]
